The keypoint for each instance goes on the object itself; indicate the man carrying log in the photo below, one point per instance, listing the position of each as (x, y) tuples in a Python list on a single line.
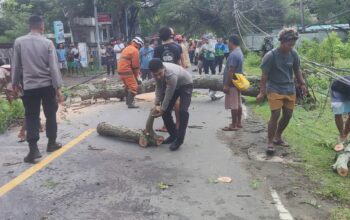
[(172, 82), (129, 70), (279, 66)]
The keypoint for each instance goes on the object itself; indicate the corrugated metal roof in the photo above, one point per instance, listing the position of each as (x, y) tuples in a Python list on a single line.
[(327, 27)]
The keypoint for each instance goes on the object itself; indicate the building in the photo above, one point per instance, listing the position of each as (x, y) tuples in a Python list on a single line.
[(314, 32)]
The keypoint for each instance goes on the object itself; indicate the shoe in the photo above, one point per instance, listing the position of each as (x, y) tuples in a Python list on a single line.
[(175, 145), (184, 118), (215, 98), (169, 140), (33, 154), (53, 146), (130, 100)]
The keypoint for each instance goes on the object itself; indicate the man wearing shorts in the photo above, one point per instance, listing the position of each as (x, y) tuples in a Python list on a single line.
[(279, 66), (340, 94), (233, 99)]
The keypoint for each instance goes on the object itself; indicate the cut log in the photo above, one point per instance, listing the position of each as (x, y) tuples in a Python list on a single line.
[(341, 164), (148, 136), (106, 90), (144, 138)]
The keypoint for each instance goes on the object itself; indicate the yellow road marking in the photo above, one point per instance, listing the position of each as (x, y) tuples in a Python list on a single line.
[(35, 168)]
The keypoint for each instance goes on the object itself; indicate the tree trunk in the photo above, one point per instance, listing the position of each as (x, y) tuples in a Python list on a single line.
[(144, 138), (104, 91), (341, 165)]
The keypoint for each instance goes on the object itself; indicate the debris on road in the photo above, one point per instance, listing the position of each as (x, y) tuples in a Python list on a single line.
[(255, 183), (224, 179), (195, 127), (95, 148), (10, 164), (164, 186), (244, 196)]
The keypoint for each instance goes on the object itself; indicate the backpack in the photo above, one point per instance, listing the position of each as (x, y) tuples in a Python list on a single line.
[(341, 87)]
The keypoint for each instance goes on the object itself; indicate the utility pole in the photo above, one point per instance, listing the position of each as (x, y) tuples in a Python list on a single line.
[(97, 35), (126, 24), (302, 15)]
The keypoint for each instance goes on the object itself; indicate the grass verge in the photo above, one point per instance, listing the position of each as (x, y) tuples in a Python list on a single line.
[(312, 135), (9, 112)]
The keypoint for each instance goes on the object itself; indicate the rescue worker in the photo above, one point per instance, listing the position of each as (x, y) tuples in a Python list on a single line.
[(129, 70)]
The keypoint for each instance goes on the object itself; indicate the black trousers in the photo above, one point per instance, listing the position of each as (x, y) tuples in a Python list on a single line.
[(185, 94), (209, 64), (146, 74), (218, 62), (32, 100), (111, 66), (110, 69)]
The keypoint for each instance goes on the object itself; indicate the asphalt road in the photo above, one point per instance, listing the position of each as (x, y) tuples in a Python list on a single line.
[(120, 180)]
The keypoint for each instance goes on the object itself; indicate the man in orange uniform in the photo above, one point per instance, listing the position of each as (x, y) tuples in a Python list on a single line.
[(129, 70)]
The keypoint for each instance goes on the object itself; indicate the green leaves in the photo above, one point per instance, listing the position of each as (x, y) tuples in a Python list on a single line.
[(9, 112)]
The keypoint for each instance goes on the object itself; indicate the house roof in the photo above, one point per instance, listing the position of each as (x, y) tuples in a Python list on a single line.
[(327, 27)]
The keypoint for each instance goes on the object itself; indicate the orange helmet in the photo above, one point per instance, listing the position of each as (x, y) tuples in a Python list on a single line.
[(178, 38)]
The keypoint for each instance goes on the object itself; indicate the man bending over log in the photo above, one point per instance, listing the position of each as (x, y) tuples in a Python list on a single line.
[(172, 82), (279, 66)]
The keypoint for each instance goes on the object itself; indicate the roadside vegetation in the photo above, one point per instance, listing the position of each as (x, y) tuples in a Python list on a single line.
[(9, 113), (312, 132)]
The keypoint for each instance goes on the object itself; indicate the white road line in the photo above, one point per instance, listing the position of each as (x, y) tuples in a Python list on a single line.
[(283, 212)]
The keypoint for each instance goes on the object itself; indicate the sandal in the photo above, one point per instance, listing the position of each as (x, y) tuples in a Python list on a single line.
[(229, 129), (281, 143), (270, 151), (163, 129)]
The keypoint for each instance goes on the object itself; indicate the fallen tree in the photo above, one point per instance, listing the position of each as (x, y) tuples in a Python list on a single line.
[(342, 160), (105, 89), (144, 138)]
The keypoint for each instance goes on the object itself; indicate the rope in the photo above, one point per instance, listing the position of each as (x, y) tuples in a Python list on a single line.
[(237, 23), (251, 23)]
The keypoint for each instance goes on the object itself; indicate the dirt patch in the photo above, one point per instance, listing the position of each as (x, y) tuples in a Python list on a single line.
[(282, 172)]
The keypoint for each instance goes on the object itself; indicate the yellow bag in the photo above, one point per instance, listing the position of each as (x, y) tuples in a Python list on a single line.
[(241, 82)]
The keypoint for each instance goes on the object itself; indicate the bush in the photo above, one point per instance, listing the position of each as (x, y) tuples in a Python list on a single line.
[(9, 112), (253, 59), (331, 48)]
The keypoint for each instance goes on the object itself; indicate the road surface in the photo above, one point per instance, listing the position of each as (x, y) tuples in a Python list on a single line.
[(102, 178)]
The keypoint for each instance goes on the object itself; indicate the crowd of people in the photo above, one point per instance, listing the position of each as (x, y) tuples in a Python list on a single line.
[(36, 77)]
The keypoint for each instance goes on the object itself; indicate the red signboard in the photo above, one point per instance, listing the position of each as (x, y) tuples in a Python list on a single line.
[(104, 18)]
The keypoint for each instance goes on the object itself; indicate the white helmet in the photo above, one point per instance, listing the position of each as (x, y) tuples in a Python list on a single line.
[(138, 40)]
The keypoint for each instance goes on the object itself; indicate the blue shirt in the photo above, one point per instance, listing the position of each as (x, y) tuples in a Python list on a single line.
[(146, 55), (219, 50), (340, 94), (226, 50), (61, 54)]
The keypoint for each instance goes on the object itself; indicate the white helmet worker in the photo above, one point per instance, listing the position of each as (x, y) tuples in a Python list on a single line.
[(139, 41)]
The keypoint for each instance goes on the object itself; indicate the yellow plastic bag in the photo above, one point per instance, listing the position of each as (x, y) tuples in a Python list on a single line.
[(241, 82)]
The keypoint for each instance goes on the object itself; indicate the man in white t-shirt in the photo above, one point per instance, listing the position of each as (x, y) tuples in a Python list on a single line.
[(118, 48)]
